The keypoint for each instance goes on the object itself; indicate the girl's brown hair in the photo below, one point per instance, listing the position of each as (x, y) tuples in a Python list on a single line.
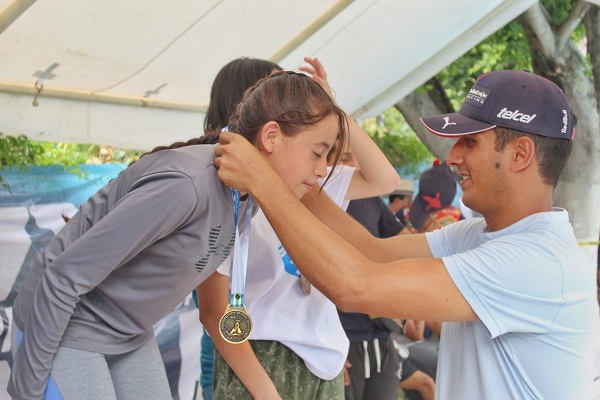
[(291, 99)]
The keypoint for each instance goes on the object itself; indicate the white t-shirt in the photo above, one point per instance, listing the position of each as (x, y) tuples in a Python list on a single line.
[(534, 291), (308, 324)]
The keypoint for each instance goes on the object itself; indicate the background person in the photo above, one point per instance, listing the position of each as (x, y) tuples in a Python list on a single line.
[(432, 206), (399, 200), (309, 345), (433, 210), (377, 366), (375, 363), (226, 92)]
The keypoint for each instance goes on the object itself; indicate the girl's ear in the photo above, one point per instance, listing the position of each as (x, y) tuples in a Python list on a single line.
[(268, 135)]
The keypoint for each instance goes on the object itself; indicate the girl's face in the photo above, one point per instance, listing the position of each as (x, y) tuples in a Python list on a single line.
[(301, 159)]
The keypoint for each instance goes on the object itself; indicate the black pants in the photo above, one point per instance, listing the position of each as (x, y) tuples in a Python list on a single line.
[(381, 365)]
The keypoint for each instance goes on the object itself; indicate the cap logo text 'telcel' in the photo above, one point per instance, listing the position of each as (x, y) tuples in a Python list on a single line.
[(515, 115)]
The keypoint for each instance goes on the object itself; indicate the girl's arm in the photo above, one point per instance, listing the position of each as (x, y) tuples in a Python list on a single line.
[(375, 175), (212, 302)]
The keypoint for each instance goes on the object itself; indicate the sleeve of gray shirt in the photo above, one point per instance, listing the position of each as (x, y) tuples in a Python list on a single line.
[(143, 215)]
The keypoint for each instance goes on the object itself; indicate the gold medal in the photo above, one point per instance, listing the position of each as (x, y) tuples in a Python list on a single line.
[(304, 285), (235, 325)]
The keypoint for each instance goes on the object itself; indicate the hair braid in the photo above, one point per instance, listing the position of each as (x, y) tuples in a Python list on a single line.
[(209, 138)]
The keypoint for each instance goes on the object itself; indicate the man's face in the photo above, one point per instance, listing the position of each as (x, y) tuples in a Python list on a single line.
[(481, 170), (406, 201)]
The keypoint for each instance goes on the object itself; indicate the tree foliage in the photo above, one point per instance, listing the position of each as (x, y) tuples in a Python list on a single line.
[(20, 152), (17, 152), (397, 140), (508, 48)]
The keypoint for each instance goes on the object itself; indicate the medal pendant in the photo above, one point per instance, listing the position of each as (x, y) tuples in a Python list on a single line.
[(235, 325), (304, 285)]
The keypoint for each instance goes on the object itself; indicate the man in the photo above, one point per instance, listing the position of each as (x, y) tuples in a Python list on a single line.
[(517, 295)]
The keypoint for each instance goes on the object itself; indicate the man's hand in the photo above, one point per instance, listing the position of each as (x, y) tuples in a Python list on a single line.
[(240, 165)]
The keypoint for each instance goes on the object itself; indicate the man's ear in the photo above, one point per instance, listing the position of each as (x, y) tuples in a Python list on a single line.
[(268, 135), (523, 153)]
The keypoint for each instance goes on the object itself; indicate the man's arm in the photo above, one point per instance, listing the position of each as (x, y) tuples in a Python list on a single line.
[(342, 267), (380, 250)]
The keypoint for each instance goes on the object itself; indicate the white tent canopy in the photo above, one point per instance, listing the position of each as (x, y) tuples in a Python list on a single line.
[(137, 73)]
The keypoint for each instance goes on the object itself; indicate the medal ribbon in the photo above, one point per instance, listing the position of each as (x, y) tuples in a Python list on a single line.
[(240, 251)]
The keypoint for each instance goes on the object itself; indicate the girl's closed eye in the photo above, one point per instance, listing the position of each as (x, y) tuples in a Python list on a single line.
[(321, 152)]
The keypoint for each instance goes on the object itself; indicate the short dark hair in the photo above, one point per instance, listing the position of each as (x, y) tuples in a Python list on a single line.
[(551, 153), (393, 197)]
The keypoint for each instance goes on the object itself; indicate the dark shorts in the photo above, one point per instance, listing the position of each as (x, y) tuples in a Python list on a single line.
[(383, 380), (408, 368)]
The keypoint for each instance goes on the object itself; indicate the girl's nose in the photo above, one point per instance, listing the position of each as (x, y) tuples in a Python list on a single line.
[(321, 168)]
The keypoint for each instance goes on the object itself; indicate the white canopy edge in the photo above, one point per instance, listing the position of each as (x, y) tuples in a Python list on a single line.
[(375, 52), (77, 121)]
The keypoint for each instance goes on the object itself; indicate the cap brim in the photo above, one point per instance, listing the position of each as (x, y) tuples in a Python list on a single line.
[(401, 193), (454, 124), (417, 214)]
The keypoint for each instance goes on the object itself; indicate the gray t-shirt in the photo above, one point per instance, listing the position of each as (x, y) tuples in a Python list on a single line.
[(132, 253)]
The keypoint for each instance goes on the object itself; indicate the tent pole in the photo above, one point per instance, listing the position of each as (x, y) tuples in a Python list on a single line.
[(12, 12), (66, 94)]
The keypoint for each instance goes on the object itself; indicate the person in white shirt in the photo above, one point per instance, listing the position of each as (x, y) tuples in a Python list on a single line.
[(292, 323)]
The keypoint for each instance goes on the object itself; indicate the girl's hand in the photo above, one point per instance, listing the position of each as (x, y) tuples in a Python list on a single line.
[(317, 73), (346, 374)]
